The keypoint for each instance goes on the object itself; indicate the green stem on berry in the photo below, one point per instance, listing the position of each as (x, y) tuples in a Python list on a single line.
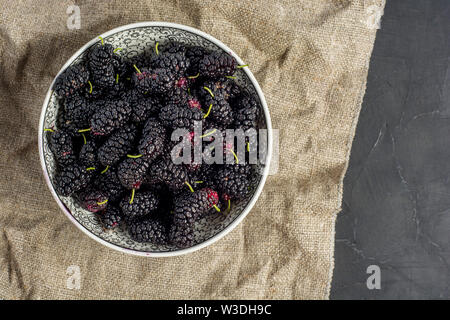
[(216, 207), (117, 78), (117, 49), (243, 66), (209, 133), (128, 79), (103, 202), (139, 71), (90, 87), (230, 77), (104, 170), (194, 77), (84, 130), (198, 181), (134, 156), (235, 156), (84, 138), (209, 90), (209, 110), (132, 195), (156, 48), (49, 130), (190, 187), (101, 39), (90, 168)]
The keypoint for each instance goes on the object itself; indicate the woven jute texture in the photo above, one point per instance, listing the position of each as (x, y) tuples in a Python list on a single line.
[(311, 59)]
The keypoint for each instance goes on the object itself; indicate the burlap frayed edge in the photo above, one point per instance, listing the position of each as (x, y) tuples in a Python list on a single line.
[(359, 101)]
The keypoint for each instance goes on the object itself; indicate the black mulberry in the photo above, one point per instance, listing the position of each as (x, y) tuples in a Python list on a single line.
[(221, 111), (117, 145), (61, 146), (232, 181), (157, 81), (71, 179), (153, 139), (175, 62), (191, 205), (71, 80), (217, 64), (175, 117), (114, 115), (227, 87), (165, 171), (88, 154), (93, 200), (132, 171), (79, 110), (109, 183), (195, 55), (110, 217), (144, 108), (100, 56), (181, 236), (104, 78), (246, 114), (148, 230), (139, 204)]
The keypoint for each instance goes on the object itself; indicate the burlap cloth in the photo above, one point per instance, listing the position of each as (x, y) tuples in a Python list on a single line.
[(311, 59)]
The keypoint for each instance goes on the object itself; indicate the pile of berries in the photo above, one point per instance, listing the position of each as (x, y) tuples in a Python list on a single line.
[(113, 147)]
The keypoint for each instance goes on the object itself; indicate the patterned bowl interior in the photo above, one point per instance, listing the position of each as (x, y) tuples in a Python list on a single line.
[(135, 41)]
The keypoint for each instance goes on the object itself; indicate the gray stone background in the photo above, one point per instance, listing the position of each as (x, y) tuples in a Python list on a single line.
[(396, 204)]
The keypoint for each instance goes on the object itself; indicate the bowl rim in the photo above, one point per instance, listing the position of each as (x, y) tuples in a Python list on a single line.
[(250, 203)]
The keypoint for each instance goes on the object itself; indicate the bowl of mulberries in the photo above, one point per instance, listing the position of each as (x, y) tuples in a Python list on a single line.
[(155, 139)]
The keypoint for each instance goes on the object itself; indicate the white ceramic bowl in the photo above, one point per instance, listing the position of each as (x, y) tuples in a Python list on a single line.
[(134, 39)]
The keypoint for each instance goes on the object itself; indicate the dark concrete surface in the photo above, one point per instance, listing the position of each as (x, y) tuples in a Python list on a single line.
[(396, 204)]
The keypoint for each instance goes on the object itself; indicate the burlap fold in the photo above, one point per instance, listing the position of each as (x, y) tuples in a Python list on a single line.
[(311, 59)]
